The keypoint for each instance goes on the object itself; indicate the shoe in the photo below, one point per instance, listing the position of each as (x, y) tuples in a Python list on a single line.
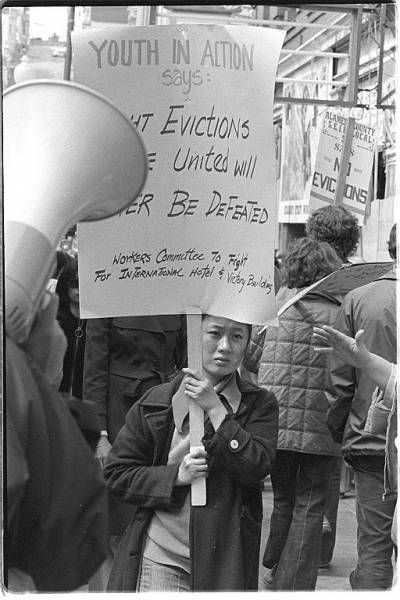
[(268, 577)]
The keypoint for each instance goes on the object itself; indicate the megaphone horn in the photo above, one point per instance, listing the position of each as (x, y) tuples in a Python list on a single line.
[(69, 155)]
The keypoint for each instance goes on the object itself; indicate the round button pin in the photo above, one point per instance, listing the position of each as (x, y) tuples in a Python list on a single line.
[(234, 444)]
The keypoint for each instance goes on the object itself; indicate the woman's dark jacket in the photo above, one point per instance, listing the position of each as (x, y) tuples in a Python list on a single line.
[(224, 534)]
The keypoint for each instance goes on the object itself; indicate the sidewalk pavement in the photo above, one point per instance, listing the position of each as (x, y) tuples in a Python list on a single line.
[(336, 576)]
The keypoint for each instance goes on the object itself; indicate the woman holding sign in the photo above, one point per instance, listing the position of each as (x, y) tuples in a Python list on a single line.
[(169, 544)]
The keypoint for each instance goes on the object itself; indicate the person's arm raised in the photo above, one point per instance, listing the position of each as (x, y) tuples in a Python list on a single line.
[(353, 351)]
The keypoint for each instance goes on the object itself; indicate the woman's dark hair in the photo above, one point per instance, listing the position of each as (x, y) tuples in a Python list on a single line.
[(308, 261), (337, 226)]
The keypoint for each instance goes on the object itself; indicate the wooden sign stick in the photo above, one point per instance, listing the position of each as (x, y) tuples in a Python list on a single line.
[(344, 161), (196, 414)]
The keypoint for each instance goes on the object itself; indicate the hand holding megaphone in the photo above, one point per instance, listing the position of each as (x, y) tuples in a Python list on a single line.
[(69, 155)]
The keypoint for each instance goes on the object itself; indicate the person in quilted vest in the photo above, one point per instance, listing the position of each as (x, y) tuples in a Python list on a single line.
[(288, 366)]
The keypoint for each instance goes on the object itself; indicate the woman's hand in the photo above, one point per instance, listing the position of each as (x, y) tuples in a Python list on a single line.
[(193, 466), (200, 389), (202, 392)]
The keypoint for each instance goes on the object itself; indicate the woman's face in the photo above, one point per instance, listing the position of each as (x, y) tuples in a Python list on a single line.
[(224, 344)]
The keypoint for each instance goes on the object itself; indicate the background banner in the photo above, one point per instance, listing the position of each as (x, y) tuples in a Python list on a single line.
[(301, 124), (327, 163), (201, 233)]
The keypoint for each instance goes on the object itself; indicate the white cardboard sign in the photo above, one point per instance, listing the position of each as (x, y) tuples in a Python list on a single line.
[(327, 163), (202, 232), (342, 281)]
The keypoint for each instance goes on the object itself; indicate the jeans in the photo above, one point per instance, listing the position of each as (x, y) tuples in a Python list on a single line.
[(155, 577), (331, 511), (374, 522), (300, 482)]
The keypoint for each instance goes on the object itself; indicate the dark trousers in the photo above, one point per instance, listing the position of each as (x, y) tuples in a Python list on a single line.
[(331, 511), (374, 569), (299, 482)]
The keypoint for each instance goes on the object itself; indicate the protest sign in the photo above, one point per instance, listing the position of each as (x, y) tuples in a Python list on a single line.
[(327, 164), (342, 281), (202, 232)]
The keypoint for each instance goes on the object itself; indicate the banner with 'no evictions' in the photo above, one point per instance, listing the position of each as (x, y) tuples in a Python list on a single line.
[(202, 232), (327, 164)]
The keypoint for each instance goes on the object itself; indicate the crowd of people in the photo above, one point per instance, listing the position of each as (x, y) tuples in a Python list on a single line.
[(99, 461)]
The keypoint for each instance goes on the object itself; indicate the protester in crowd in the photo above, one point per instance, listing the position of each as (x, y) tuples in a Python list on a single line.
[(73, 326), (338, 227), (124, 357), (70, 379), (305, 452), (382, 413), (332, 224), (372, 308), (56, 519), (151, 466)]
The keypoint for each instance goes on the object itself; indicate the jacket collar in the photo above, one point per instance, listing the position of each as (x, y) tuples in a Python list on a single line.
[(180, 402), (392, 274), (160, 398), (160, 407), (325, 295)]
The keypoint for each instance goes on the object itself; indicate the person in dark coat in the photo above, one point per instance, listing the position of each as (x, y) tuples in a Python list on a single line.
[(124, 357), (73, 326), (56, 521), (382, 413), (371, 307), (170, 545), (290, 369)]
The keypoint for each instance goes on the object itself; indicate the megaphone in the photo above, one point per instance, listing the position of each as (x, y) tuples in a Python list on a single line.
[(69, 155)]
